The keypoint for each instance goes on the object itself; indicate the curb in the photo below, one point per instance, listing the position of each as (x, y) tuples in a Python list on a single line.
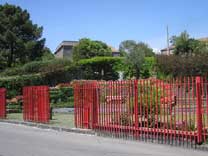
[(45, 126)]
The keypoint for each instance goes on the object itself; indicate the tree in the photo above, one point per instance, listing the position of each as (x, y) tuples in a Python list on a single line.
[(186, 46), (87, 48), (126, 47), (47, 54), (135, 56), (100, 68), (20, 39)]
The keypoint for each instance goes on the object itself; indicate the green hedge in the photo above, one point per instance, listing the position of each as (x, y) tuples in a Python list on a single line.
[(59, 71), (14, 84), (100, 68), (14, 107), (62, 97), (38, 67)]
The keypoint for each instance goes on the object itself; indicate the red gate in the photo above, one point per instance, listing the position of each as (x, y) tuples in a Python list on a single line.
[(2, 103), (36, 105), (174, 111), (85, 100)]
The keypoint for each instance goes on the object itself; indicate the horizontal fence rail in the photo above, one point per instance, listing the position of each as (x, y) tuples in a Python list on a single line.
[(36, 104), (170, 111), (2, 103)]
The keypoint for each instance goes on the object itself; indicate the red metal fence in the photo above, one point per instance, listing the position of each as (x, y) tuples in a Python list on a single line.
[(36, 104), (2, 103), (170, 111)]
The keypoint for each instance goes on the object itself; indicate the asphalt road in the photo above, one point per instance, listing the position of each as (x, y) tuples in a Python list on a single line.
[(19, 140)]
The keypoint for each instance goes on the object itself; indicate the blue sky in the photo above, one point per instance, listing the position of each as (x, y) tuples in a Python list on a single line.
[(113, 21)]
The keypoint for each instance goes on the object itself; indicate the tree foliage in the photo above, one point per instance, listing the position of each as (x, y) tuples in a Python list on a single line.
[(20, 39), (87, 48), (98, 68), (134, 56), (186, 46), (176, 65), (127, 46)]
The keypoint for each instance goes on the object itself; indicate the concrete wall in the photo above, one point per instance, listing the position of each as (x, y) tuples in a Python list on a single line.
[(59, 54), (67, 52)]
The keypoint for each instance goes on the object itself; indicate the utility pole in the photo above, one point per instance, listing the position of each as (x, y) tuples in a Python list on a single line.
[(168, 48)]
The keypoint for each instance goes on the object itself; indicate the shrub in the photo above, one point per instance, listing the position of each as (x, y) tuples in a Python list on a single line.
[(14, 84), (61, 97), (100, 68), (148, 67), (42, 73), (38, 67), (182, 65)]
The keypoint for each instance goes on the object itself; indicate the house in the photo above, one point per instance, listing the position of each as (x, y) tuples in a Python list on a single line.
[(165, 50), (115, 52), (64, 50)]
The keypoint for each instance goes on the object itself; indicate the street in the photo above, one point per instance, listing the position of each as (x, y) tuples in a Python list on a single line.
[(19, 140)]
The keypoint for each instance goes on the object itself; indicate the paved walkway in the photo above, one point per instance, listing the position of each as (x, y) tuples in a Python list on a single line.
[(19, 140)]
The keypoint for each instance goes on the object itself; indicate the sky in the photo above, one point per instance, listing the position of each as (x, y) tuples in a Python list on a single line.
[(114, 21)]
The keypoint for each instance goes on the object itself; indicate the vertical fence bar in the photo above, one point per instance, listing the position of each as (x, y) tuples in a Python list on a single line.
[(204, 109), (2, 103), (36, 104), (150, 109), (135, 94), (206, 112), (198, 109)]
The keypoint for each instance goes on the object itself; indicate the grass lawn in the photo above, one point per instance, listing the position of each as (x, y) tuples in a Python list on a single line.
[(58, 119), (63, 120), (15, 116)]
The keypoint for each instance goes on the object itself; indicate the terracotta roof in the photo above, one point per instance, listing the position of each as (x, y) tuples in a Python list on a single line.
[(113, 49)]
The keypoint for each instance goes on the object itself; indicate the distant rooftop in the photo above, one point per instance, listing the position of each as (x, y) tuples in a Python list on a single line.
[(73, 43), (113, 49), (66, 43), (170, 48), (205, 39)]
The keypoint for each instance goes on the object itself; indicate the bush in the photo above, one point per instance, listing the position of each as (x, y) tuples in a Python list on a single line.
[(37, 73), (148, 67), (149, 94), (56, 71), (14, 84), (38, 67), (62, 97), (98, 68), (14, 107), (182, 65)]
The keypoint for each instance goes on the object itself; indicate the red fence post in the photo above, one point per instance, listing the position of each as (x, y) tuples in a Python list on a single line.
[(36, 104), (28, 103), (95, 105), (2, 103), (136, 103), (198, 109)]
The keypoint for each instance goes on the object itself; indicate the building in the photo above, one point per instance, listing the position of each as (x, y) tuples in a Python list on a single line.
[(115, 52), (165, 50), (64, 49)]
